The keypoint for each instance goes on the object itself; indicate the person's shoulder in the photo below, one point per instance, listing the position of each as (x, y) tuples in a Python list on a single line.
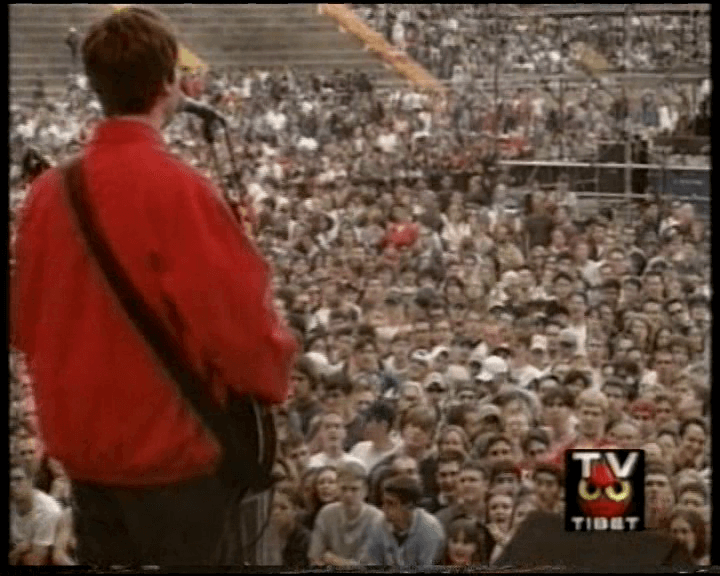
[(372, 512), (349, 458), (430, 521), (317, 460), (360, 449), (175, 172), (447, 513), (46, 504), (328, 512), (300, 533)]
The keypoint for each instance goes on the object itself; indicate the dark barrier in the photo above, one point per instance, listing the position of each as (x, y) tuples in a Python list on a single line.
[(542, 542)]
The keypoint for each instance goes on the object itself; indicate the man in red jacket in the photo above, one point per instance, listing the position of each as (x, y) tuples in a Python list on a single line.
[(144, 469)]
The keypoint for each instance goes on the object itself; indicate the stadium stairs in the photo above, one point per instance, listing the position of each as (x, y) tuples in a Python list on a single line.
[(259, 36)]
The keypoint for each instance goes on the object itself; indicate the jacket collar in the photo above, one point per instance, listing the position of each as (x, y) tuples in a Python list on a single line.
[(123, 130)]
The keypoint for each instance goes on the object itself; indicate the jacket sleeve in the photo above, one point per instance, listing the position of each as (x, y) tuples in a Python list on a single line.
[(372, 552), (216, 292)]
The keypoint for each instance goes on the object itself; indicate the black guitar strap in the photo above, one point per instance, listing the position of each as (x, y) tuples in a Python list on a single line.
[(245, 432)]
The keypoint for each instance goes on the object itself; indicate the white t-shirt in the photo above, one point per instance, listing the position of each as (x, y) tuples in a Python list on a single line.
[(39, 526), (322, 459), (581, 334), (368, 455), (527, 374), (387, 142)]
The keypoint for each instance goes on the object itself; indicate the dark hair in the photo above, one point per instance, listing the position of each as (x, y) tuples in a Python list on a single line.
[(654, 466), (616, 383), (306, 366), (548, 467), (380, 411), (689, 421), (450, 455), (560, 275), (536, 434), (494, 439), (613, 283), (632, 280), (697, 525), (127, 57), (420, 416), (474, 531), (558, 393), (407, 489), (573, 375), (458, 428), (315, 503), (477, 465), (337, 381), (693, 486), (503, 467), (293, 495), (294, 439), (364, 340)]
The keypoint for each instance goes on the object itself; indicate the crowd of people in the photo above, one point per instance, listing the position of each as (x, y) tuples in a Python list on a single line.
[(458, 44), (458, 334), (462, 38)]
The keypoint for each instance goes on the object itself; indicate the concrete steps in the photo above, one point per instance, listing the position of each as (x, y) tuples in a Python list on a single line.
[(224, 35)]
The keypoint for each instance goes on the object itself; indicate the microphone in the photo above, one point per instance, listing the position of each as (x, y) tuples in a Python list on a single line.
[(207, 113)]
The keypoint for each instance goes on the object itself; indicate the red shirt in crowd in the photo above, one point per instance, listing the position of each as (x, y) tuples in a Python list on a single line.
[(107, 410), (557, 456), (401, 234)]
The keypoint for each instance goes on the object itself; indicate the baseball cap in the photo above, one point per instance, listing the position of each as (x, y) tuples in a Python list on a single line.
[(539, 342), (567, 336), (421, 355), (492, 367), (488, 410)]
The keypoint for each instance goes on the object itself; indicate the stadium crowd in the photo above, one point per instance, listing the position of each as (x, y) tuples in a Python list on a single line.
[(452, 39), (458, 334), (458, 44)]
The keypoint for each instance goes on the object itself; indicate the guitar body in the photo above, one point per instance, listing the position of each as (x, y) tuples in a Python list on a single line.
[(250, 445)]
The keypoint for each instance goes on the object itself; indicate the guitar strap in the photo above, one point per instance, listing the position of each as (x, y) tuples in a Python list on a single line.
[(245, 430)]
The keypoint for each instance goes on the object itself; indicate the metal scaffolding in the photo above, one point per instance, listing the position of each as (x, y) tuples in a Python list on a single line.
[(623, 77)]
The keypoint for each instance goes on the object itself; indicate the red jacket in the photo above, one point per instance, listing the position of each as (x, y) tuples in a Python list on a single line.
[(107, 410)]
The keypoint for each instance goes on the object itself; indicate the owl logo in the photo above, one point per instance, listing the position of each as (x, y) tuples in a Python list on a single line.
[(602, 494)]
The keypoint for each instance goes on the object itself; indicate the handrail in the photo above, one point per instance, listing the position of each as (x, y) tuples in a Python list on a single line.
[(573, 164), (571, 10)]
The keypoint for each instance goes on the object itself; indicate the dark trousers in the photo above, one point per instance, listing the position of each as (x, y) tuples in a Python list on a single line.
[(177, 525)]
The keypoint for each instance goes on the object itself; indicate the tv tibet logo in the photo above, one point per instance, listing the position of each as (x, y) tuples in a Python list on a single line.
[(605, 490)]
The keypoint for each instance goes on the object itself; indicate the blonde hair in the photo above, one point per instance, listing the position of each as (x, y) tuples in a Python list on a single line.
[(592, 397), (351, 471)]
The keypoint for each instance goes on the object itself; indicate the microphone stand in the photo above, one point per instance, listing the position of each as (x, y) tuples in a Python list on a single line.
[(237, 203), (209, 135), (231, 549)]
